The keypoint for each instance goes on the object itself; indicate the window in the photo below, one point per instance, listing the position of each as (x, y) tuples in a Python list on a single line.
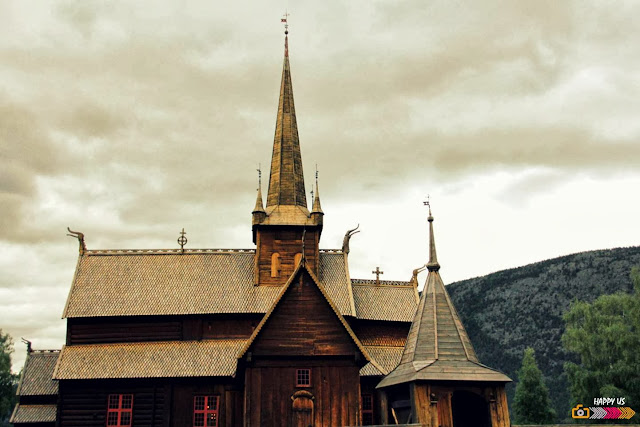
[(205, 411), (275, 265), (297, 259), (367, 409), (303, 377), (119, 408)]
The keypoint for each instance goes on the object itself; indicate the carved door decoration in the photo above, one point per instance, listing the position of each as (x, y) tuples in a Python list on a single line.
[(302, 408)]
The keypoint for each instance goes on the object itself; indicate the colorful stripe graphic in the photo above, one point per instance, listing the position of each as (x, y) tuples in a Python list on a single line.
[(611, 413)]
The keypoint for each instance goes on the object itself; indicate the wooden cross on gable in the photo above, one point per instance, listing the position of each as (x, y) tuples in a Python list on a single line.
[(377, 272)]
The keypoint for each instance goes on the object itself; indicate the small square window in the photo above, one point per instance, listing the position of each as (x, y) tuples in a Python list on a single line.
[(205, 411), (303, 377), (119, 410)]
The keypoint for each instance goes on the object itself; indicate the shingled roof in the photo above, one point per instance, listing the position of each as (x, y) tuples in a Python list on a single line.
[(148, 282), (207, 358), (395, 301), (23, 414), (36, 378), (387, 358), (438, 347)]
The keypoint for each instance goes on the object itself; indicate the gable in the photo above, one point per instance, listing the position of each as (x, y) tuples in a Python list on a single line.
[(303, 324)]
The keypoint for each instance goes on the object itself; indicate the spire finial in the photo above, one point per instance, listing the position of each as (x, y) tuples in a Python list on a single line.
[(285, 20), (428, 204), (433, 264), (259, 177)]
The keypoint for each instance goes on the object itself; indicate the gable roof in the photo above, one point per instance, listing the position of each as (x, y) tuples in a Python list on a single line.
[(438, 347), (36, 378), (301, 269)]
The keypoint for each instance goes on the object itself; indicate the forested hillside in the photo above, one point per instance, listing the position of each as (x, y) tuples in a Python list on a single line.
[(507, 311)]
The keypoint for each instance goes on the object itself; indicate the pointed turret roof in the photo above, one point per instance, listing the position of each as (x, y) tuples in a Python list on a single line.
[(286, 197), (316, 200), (438, 347), (259, 207), (286, 182)]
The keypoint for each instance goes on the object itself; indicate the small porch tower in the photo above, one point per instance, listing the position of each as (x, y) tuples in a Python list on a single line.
[(440, 381)]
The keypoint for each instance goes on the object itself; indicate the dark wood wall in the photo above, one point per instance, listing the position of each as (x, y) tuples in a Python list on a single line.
[(336, 392), (156, 403), (84, 403), (286, 241), (100, 330), (303, 324)]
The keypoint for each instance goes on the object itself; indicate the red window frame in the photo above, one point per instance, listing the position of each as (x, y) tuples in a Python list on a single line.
[(119, 410), (205, 411), (367, 409), (303, 377)]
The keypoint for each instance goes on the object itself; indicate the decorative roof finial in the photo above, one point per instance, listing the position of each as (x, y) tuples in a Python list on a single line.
[(285, 19), (377, 272), (259, 177), (80, 236), (28, 343), (182, 240), (347, 238), (433, 264)]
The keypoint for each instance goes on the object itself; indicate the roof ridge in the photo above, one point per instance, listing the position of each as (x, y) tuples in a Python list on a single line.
[(165, 251), (356, 281)]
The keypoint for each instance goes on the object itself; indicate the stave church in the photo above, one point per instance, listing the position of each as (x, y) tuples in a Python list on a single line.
[(276, 335)]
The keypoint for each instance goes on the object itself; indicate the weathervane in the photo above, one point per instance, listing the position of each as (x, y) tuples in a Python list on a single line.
[(285, 20), (428, 203), (182, 240)]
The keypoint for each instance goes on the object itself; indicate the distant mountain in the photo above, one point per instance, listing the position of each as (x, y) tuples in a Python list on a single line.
[(507, 311)]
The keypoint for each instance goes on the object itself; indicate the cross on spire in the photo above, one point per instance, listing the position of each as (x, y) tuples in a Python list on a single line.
[(377, 272)]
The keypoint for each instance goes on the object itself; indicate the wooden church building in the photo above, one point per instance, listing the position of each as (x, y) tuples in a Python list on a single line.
[(278, 335)]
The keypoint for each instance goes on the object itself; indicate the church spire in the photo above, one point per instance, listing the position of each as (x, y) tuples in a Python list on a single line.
[(286, 181)]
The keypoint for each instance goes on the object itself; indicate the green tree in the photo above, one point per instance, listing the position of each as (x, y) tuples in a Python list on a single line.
[(531, 403), (606, 336), (7, 379)]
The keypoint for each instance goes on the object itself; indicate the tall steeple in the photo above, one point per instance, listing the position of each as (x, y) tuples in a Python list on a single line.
[(285, 231), (286, 182)]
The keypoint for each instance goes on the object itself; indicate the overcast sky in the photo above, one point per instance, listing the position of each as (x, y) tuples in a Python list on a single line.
[(131, 120)]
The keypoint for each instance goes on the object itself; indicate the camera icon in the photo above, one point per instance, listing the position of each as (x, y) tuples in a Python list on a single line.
[(580, 412)]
